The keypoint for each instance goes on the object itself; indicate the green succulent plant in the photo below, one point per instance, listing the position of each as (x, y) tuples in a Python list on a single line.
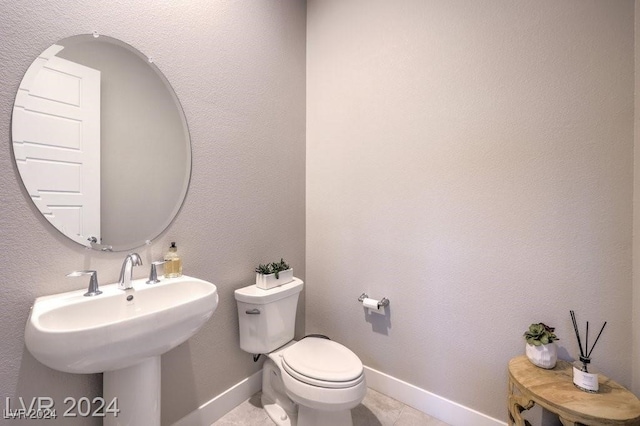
[(273, 268), (540, 334)]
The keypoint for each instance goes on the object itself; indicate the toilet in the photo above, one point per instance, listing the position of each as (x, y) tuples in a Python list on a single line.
[(310, 382)]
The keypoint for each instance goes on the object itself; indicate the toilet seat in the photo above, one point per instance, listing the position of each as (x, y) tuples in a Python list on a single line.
[(323, 363)]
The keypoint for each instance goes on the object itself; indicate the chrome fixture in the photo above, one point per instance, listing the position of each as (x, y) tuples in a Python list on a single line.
[(132, 259), (383, 302), (153, 273), (93, 289), (93, 242)]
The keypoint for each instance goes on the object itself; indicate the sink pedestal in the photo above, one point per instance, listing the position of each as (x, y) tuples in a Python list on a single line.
[(137, 389)]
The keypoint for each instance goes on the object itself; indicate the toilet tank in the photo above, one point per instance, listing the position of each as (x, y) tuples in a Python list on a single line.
[(267, 317)]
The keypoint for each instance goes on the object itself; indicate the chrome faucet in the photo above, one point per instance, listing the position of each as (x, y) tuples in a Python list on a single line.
[(126, 272)]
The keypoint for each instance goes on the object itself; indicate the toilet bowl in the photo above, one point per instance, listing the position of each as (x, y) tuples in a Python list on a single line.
[(311, 382)]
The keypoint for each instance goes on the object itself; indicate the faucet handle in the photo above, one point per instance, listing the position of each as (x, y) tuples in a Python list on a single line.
[(153, 273), (93, 289)]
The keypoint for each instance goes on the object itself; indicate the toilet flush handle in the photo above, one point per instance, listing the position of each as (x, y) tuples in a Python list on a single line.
[(254, 311)]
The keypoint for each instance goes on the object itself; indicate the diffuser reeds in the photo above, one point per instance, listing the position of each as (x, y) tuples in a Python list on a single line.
[(585, 354)]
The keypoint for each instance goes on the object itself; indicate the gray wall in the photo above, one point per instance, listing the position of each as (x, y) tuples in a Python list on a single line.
[(636, 211), (473, 162), (239, 70)]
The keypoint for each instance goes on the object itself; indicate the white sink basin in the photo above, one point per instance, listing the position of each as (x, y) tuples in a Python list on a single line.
[(77, 334)]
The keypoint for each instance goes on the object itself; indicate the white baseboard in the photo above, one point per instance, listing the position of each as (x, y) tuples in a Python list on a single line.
[(217, 407), (446, 410)]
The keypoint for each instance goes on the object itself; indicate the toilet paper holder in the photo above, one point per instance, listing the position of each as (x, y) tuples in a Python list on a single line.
[(381, 303)]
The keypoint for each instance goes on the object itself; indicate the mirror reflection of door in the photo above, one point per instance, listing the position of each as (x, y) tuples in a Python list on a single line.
[(58, 152), (142, 166)]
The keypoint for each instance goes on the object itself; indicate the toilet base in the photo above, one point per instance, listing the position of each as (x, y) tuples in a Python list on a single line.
[(286, 410), (276, 413), (311, 417), (275, 401), (306, 416)]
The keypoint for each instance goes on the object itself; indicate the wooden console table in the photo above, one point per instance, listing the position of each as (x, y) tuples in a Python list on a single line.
[(554, 391)]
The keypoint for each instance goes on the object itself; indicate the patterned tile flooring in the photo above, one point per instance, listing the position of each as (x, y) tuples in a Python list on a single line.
[(376, 410)]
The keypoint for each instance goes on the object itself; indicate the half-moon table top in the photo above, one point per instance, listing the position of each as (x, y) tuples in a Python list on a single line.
[(553, 389)]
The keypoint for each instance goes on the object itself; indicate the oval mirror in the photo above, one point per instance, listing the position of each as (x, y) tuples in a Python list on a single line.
[(101, 142)]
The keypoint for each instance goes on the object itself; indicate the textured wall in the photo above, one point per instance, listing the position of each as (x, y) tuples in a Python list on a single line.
[(636, 212), (239, 70), (472, 162)]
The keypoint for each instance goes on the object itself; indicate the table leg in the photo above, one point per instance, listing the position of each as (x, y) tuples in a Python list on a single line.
[(517, 404)]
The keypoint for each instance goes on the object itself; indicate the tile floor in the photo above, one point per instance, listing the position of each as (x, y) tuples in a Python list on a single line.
[(376, 410)]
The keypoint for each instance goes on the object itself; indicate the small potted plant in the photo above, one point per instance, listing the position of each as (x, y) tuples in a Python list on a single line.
[(273, 274), (541, 349)]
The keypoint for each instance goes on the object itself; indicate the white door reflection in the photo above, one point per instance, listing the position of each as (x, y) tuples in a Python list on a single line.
[(57, 142)]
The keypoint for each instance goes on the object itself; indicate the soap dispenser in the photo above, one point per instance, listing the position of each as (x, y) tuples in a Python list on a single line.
[(173, 263)]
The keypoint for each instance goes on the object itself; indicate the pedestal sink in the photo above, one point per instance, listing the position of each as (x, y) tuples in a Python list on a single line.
[(121, 333)]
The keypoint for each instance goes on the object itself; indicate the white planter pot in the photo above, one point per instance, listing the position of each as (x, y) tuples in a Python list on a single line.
[(544, 356), (266, 282)]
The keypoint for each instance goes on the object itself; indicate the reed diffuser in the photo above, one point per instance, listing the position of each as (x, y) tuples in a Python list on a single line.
[(583, 378)]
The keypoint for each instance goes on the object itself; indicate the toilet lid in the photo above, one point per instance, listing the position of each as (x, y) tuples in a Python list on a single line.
[(322, 362)]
